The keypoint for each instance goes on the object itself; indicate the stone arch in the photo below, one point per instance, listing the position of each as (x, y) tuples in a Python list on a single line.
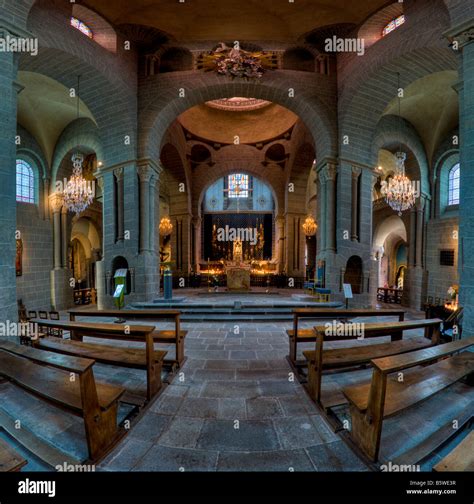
[(160, 109), (354, 274), (81, 133), (359, 121), (390, 132)]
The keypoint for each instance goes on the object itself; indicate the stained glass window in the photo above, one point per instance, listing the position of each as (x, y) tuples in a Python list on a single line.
[(393, 25), (82, 27), (238, 186), (454, 185), (25, 182)]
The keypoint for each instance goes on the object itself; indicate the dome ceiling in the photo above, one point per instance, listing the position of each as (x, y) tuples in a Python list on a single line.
[(221, 125), (250, 20)]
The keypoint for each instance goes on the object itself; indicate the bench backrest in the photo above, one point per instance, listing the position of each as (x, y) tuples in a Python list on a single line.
[(387, 365), (72, 364), (338, 313), (143, 314), (115, 331)]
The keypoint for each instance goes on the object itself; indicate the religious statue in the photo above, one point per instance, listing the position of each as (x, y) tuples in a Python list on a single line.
[(19, 257), (237, 255)]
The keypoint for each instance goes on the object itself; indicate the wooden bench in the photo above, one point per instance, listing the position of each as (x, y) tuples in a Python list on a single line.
[(149, 359), (320, 359), (175, 336), (461, 459), (10, 460), (386, 395), (296, 335), (50, 376)]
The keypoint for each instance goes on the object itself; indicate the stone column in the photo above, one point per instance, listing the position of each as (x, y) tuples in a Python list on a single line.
[(145, 173), (154, 220), (56, 205), (100, 284), (46, 184), (322, 222), (330, 173), (197, 243), (64, 235), (280, 237), (118, 174), (412, 244), (463, 36), (419, 232), (8, 113), (355, 203)]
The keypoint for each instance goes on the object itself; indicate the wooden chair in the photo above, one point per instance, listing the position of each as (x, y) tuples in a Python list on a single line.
[(47, 375), (10, 459), (32, 314), (53, 331), (320, 359), (43, 315), (425, 373)]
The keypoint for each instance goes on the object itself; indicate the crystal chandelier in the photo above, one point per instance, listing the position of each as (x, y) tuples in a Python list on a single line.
[(78, 193), (309, 226), (166, 228), (399, 192)]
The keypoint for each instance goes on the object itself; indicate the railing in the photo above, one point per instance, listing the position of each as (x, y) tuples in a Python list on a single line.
[(387, 295)]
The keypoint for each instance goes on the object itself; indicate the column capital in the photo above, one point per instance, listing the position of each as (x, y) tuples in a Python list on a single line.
[(145, 173), (118, 173), (56, 202), (330, 171), (356, 171), (461, 34)]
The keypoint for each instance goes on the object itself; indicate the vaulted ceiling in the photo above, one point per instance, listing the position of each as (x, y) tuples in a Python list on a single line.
[(225, 19)]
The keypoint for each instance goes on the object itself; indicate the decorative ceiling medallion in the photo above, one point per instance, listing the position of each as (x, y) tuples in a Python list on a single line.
[(236, 62), (238, 104)]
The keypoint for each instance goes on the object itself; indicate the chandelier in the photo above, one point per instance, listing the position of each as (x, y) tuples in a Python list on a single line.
[(78, 193), (309, 226), (399, 192), (166, 228)]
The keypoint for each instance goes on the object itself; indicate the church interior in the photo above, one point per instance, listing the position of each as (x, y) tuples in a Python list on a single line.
[(237, 236)]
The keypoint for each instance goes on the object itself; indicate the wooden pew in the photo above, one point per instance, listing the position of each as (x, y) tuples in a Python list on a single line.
[(386, 395), (48, 375), (177, 336), (10, 460), (320, 359), (296, 335), (149, 359), (461, 459)]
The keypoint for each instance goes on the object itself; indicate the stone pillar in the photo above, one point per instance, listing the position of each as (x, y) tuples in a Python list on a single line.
[(322, 221), (145, 173), (64, 236), (56, 205), (355, 203), (46, 184), (463, 36), (100, 284), (8, 113), (118, 174), (330, 174), (197, 243), (420, 232), (280, 239)]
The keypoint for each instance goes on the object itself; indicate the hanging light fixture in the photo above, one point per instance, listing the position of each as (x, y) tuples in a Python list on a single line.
[(309, 226), (166, 228), (399, 192), (78, 193)]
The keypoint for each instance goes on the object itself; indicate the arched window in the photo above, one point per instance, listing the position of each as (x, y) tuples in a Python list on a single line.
[(82, 27), (393, 25), (238, 186), (454, 185), (25, 182)]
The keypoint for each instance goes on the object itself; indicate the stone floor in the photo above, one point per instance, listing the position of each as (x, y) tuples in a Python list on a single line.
[(234, 406)]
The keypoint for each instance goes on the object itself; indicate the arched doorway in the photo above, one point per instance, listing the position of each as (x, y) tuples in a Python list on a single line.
[(354, 274)]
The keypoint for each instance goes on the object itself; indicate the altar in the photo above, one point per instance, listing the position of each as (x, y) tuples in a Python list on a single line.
[(237, 272)]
